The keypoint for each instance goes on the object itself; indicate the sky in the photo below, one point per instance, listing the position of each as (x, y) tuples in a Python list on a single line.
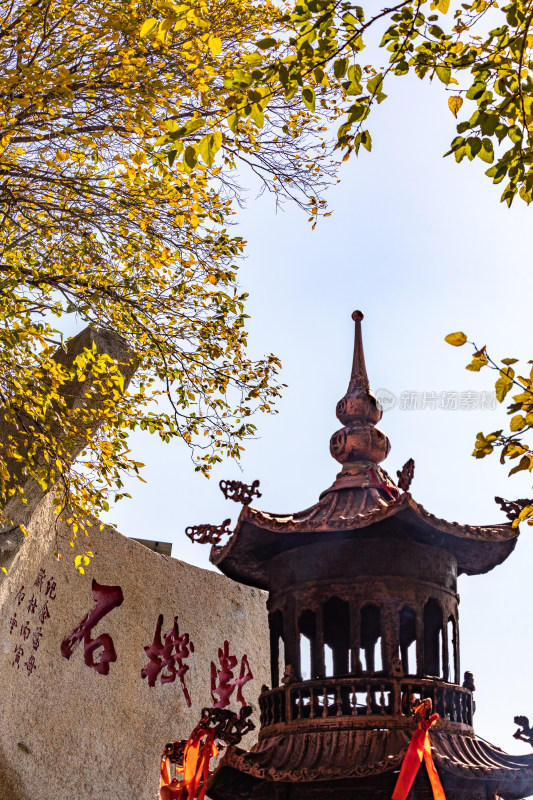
[(423, 247)]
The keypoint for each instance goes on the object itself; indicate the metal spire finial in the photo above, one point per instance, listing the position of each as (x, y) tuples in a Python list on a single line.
[(358, 378), (359, 439)]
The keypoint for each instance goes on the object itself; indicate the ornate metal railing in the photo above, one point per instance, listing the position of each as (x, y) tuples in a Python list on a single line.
[(364, 700)]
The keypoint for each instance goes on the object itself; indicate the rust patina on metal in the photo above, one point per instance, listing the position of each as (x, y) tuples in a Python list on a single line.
[(208, 534), (363, 615), (406, 475), (240, 492), (512, 508)]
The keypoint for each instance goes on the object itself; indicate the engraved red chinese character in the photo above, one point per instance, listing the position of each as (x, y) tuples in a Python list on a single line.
[(30, 664), (32, 605), (106, 598), (13, 623), (37, 636), (25, 630), (51, 589), (19, 652), (223, 684), (168, 655), (39, 579), (20, 595), (44, 613)]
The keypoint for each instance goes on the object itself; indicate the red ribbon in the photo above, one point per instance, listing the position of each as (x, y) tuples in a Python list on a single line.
[(195, 767), (419, 749), (377, 483)]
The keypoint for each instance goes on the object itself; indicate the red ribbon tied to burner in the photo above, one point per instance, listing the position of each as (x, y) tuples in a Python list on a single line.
[(419, 750)]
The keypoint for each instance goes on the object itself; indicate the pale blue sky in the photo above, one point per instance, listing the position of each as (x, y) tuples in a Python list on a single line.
[(423, 247)]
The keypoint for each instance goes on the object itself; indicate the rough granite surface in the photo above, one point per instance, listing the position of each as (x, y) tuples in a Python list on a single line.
[(67, 732)]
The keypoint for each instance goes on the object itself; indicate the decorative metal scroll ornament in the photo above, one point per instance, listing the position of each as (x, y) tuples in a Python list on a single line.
[(229, 727), (199, 748), (524, 732), (207, 534), (240, 492), (405, 475), (191, 757), (512, 508), (175, 751)]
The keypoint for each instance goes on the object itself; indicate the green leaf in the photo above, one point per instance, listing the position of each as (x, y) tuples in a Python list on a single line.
[(232, 121), (253, 59), (264, 44), (209, 146), (290, 90), (190, 157), (487, 151), (194, 125), (352, 89), (349, 20), (374, 84), (443, 73), (257, 115), (339, 67), (456, 339), (366, 140), (476, 90), (185, 130), (319, 76), (357, 111), (354, 73), (473, 147), (308, 96)]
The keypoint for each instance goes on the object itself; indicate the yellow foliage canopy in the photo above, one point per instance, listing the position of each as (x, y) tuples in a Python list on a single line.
[(115, 186)]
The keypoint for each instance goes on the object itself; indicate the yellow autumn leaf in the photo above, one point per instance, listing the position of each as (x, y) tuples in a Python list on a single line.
[(456, 339), (215, 45), (147, 27), (454, 104)]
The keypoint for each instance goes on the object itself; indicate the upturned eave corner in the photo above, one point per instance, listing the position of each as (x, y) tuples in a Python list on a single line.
[(478, 548)]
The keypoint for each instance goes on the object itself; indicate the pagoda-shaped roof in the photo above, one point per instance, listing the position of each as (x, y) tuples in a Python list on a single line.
[(316, 757), (363, 502)]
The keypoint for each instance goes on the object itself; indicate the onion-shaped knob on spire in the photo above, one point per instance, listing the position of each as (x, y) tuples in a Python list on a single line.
[(358, 410)]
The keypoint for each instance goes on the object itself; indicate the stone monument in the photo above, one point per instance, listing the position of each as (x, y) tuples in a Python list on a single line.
[(86, 710)]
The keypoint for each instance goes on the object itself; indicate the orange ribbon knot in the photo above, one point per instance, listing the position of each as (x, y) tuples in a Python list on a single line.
[(419, 749)]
